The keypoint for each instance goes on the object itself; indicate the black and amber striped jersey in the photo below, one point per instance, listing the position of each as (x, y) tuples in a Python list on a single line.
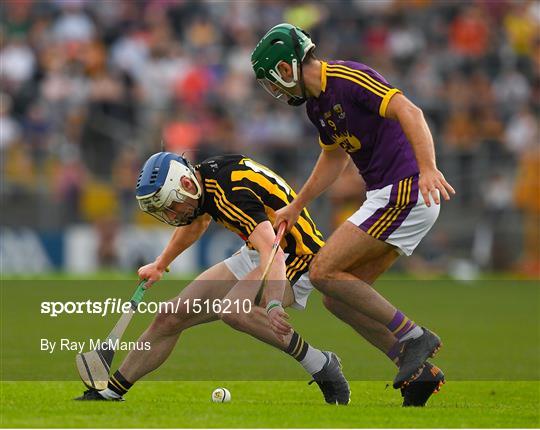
[(240, 193)]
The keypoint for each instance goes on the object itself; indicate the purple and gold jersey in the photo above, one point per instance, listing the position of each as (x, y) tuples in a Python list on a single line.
[(350, 113)]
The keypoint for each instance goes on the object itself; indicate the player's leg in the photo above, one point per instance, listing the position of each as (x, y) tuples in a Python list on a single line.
[(418, 392), (244, 265), (256, 324), (373, 331), (324, 366), (168, 324), (332, 272)]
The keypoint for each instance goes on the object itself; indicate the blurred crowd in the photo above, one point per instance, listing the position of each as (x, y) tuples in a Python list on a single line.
[(89, 88)]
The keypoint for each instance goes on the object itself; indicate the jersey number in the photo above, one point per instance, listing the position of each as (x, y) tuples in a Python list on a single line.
[(261, 169)]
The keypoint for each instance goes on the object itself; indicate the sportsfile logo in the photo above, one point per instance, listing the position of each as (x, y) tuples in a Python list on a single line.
[(118, 306), (109, 306)]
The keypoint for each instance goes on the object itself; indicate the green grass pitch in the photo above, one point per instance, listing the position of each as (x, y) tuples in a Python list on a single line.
[(271, 404), (491, 357)]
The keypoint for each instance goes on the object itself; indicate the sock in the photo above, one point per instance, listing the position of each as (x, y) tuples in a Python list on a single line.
[(117, 386), (403, 328), (393, 352), (311, 359)]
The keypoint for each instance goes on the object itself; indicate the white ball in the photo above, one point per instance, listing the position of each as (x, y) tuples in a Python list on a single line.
[(221, 395)]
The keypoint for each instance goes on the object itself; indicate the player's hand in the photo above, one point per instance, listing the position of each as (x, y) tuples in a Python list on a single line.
[(278, 321), (151, 272), (429, 182), (289, 214)]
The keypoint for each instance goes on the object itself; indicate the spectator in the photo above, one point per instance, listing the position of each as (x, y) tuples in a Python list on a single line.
[(511, 90), (521, 27), (17, 63), (88, 87), (469, 33), (73, 25), (522, 132), (527, 195), (9, 128)]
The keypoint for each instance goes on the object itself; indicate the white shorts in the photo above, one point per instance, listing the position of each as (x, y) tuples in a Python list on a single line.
[(246, 260), (397, 214)]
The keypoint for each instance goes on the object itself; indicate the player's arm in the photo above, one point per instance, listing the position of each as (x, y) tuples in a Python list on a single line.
[(330, 165), (182, 238), (262, 238), (417, 131)]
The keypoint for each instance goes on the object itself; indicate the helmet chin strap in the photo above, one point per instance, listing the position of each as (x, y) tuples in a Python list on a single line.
[(295, 100), (198, 211)]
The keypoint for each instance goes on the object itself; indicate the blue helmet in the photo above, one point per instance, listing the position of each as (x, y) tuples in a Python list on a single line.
[(158, 185)]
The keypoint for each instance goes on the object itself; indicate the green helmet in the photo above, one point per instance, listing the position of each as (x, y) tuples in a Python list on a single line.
[(284, 42)]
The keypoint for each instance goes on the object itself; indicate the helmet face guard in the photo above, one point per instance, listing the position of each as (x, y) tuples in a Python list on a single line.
[(159, 186), (168, 215), (278, 88)]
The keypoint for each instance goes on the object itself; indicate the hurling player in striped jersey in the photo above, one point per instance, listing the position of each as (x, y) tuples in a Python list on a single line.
[(358, 114), (242, 196)]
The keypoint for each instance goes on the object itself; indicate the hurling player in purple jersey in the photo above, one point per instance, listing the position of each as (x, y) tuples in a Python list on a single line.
[(360, 115)]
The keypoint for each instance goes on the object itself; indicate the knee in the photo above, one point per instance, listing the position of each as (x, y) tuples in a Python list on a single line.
[(169, 323), (336, 307), (235, 320), (330, 303), (320, 275)]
